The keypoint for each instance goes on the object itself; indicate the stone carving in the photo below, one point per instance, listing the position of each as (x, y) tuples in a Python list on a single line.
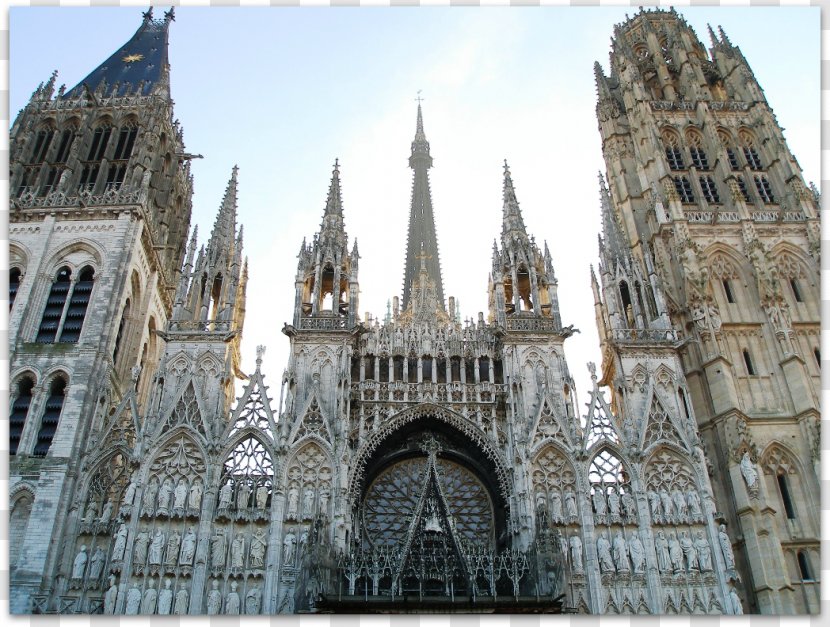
[(188, 548), (261, 496), (165, 598), (157, 548), (293, 503), (133, 601), (288, 544), (749, 473), (79, 565), (655, 505), (173, 544), (243, 495), (689, 552), (638, 553), (606, 562), (195, 500), (576, 554), (238, 551), (96, 565), (614, 505), (621, 560), (111, 596), (704, 552), (308, 503), (668, 506), (324, 500), (129, 493), (232, 603), (148, 506), (253, 600), (180, 495), (106, 513), (182, 598), (695, 509), (225, 495), (570, 505), (258, 544), (140, 545), (735, 602), (120, 543), (599, 502), (148, 602), (726, 548), (675, 554), (217, 549), (680, 507), (165, 492), (91, 512), (661, 547), (556, 506), (214, 602)]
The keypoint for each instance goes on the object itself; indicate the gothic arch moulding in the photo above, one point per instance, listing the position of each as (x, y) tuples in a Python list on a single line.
[(77, 254), (426, 410), (308, 481)]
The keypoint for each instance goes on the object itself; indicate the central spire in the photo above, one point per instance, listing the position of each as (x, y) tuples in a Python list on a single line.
[(422, 243)]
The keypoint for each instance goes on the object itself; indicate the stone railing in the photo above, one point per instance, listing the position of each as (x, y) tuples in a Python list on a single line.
[(645, 336), (531, 324), (200, 326), (427, 392), (113, 195), (323, 323)]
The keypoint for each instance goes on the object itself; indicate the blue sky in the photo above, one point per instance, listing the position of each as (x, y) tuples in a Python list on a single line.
[(282, 92)]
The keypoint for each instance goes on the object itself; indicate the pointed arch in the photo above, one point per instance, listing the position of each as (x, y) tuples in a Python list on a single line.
[(660, 423), (308, 480), (105, 483), (248, 474), (179, 459), (553, 481), (313, 424), (186, 412), (547, 427), (253, 410)]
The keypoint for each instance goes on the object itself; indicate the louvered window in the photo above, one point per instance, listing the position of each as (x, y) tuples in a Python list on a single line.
[(66, 143), (710, 190), (764, 189), (78, 303), (675, 158), (19, 411), (14, 284), (733, 159), (752, 158), (51, 416), (99, 143), (699, 159), (55, 303), (742, 187), (684, 189), (43, 140)]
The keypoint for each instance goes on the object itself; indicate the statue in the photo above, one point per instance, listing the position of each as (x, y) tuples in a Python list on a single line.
[(238, 551), (308, 503), (106, 514), (180, 494), (621, 554), (293, 503), (232, 602), (133, 601), (556, 506), (570, 504), (252, 601), (173, 543), (217, 549), (614, 504), (726, 548), (149, 500), (628, 506), (111, 596), (695, 510), (96, 566), (165, 598), (576, 554), (225, 495), (679, 505), (688, 551), (148, 603), (606, 564), (304, 538), (599, 502), (142, 541), (668, 506), (120, 543), (288, 547), (79, 565), (165, 491), (748, 471), (129, 493), (195, 500), (214, 602), (258, 543), (188, 547), (654, 504), (704, 552), (156, 548), (261, 496), (242, 496), (661, 547), (735, 602), (181, 600), (638, 553), (324, 501), (91, 512), (675, 554)]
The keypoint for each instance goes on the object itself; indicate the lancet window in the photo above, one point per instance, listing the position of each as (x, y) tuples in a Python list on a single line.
[(14, 284), (51, 416), (78, 303), (247, 482), (612, 498), (43, 140), (19, 411)]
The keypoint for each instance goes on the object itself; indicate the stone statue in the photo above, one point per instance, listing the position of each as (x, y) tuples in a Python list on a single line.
[(129, 493), (217, 549), (180, 494), (120, 543), (556, 506), (173, 543), (726, 548), (304, 538), (655, 505), (225, 495), (689, 552), (621, 554), (261, 496), (181, 600), (735, 602), (293, 503), (149, 500), (661, 547), (748, 471), (668, 506), (680, 507), (91, 512), (148, 603), (243, 495), (214, 602), (110, 596), (96, 566), (308, 503), (695, 510), (541, 505), (195, 500), (704, 552), (79, 565), (142, 541), (287, 604), (606, 563), (628, 506), (253, 600), (599, 502), (188, 547), (165, 491), (238, 551), (133, 601), (638, 553), (288, 547), (106, 513), (675, 554), (570, 504), (232, 602), (576, 554), (324, 501), (156, 548), (258, 544), (165, 598), (614, 504)]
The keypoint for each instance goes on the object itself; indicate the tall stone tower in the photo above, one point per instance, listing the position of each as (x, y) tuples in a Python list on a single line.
[(710, 280)]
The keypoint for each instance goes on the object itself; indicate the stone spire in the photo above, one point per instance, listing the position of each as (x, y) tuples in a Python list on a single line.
[(224, 228), (612, 243), (421, 239), (512, 222)]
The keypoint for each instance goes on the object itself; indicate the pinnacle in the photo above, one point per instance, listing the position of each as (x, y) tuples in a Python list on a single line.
[(334, 201)]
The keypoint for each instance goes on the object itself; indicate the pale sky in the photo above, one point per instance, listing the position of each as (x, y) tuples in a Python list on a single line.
[(282, 92)]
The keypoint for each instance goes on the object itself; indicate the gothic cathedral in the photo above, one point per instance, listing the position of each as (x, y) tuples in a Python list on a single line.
[(413, 462)]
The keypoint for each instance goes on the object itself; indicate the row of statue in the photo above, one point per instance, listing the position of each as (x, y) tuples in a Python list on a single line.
[(244, 492), (234, 557), (307, 511), (165, 499), (550, 505), (675, 508), (164, 601), (675, 554), (611, 505)]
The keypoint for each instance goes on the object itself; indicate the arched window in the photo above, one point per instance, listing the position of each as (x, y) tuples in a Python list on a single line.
[(100, 139), (674, 155), (21, 510), (14, 285), (67, 136), (78, 303), (696, 151), (804, 567), (19, 411), (743, 188), (764, 189), (751, 154), (729, 145), (43, 140), (126, 140), (710, 190), (786, 497), (125, 315), (684, 189), (51, 416), (796, 288), (750, 367), (55, 304)]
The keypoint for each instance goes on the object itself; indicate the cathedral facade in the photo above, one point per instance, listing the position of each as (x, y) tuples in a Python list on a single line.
[(414, 462)]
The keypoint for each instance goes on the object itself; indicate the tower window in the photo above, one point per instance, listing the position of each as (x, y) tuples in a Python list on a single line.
[(43, 140), (14, 284), (89, 175), (498, 371), (120, 335), (55, 303), (126, 139), (63, 148), (78, 303), (742, 186), (796, 288), (398, 363), (100, 139), (710, 190), (484, 369), (116, 174), (750, 367), (51, 182), (675, 158), (699, 159), (684, 189), (733, 159), (19, 411), (817, 355), (727, 290), (752, 158), (764, 189), (51, 416), (784, 488), (804, 567)]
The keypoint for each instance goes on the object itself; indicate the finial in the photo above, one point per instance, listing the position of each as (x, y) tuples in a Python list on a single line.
[(234, 171), (260, 351), (170, 16), (723, 36), (148, 14), (592, 368), (418, 98)]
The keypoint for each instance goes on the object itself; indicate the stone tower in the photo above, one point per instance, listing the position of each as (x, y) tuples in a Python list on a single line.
[(709, 280)]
